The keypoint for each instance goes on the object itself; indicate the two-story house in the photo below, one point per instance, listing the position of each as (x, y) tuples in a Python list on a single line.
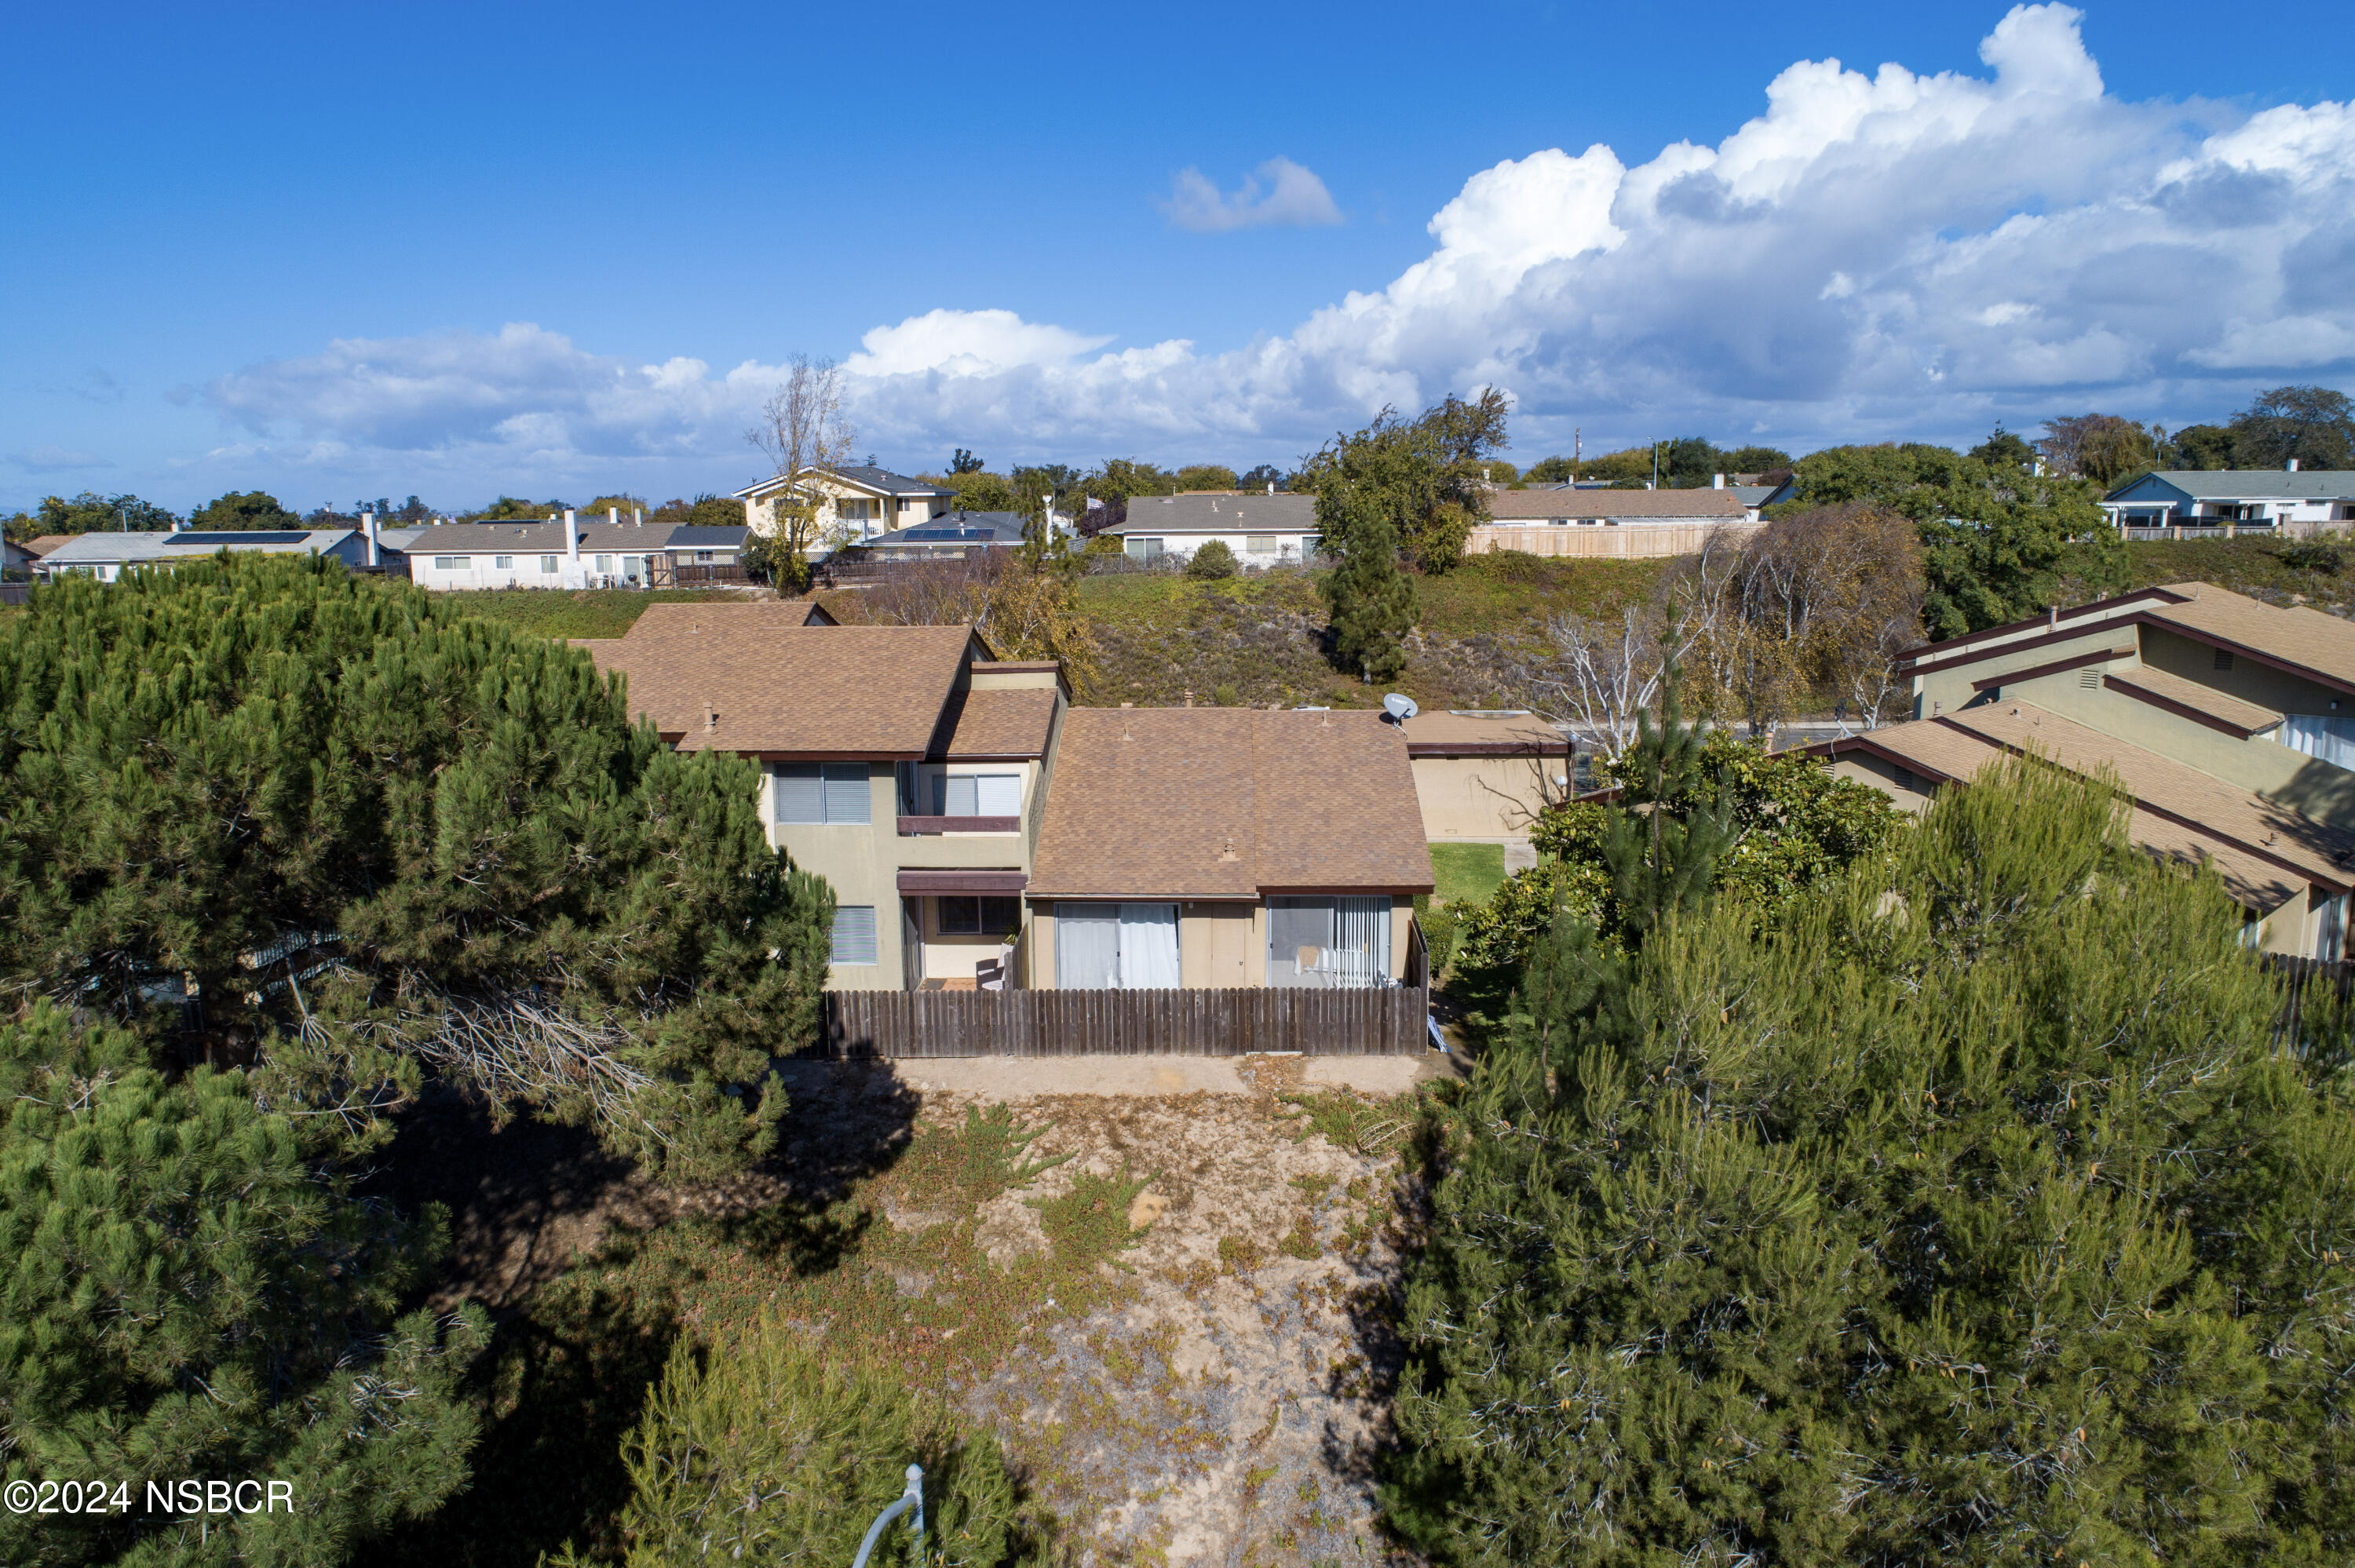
[(2219, 716), (860, 501), (902, 763)]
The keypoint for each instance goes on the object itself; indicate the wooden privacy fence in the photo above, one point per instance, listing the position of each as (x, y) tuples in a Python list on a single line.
[(896, 1023), (1633, 539), (2308, 986)]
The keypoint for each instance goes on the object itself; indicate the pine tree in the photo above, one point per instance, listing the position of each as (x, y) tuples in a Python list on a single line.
[(265, 812), (823, 1448), (1966, 1214), (1371, 602), (186, 1296)]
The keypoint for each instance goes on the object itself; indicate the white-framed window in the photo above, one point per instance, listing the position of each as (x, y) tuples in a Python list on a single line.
[(977, 795), (1144, 549), (1116, 946), (502, 563), (702, 557), (453, 563), (633, 566), (854, 933), (1259, 544), (979, 915), (823, 793), (606, 565), (551, 563), (851, 511)]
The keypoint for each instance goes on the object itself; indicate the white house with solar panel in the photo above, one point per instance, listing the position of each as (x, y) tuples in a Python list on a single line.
[(107, 557)]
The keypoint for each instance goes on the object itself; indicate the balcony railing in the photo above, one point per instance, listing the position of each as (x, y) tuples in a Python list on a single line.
[(911, 827)]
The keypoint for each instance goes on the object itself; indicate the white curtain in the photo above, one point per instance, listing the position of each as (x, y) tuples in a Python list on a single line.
[(1148, 947), (1087, 946), (2331, 740)]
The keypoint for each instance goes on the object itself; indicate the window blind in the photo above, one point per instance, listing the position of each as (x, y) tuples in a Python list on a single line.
[(999, 795), (846, 796), (854, 933), (801, 794)]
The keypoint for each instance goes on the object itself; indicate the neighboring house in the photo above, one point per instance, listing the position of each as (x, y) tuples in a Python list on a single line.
[(2220, 715), (1225, 847), (863, 501), (1262, 530), (2234, 499), (21, 558), (108, 555), (563, 554), (904, 765), (1615, 508), (950, 535), (45, 544), (1486, 774)]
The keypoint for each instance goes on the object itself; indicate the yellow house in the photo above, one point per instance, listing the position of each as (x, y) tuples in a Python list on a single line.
[(2220, 715), (860, 502)]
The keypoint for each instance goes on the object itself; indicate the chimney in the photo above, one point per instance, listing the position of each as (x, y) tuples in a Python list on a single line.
[(638, 515), (710, 718), (572, 545), (2293, 465), (1717, 482), (368, 526), (1271, 487)]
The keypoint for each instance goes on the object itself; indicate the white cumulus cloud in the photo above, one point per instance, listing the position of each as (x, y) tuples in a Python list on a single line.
[(1292, 197), (1875, 254)]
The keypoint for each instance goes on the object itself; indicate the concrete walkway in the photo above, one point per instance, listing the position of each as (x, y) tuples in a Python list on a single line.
[(1031, 1077)]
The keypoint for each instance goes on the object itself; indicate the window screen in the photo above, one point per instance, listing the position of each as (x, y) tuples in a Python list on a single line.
[(977, 795), (1259, 544), (502, 563), (453, 563), (1144, 549), (605, 563), (2223, 658), (854, 933), (549, 563), (813, 793)]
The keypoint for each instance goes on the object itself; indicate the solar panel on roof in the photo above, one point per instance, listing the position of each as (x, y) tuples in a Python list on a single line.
[(241, 536)]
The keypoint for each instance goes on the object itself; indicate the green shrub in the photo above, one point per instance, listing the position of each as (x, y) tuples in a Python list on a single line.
[(1213, 559), (2314, 554), (767, 1452)]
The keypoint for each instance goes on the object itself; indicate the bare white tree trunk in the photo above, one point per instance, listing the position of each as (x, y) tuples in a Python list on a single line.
[(805, 435), (1603, 674)]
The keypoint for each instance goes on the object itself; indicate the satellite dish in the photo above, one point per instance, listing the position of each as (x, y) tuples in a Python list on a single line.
[(1400, 708)]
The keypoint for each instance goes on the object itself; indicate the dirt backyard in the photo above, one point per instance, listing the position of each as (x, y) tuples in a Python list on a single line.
[(1164, 1282)]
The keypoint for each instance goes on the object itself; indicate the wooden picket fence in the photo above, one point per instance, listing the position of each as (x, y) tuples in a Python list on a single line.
[(899, 1023)]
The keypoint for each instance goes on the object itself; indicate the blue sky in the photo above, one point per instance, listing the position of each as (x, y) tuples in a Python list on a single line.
[(458, 250)]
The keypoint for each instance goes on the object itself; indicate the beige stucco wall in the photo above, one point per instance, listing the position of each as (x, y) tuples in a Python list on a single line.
[(1220, 945), (1483, 796), (862, 862), (1944, 691), (1861, 768)]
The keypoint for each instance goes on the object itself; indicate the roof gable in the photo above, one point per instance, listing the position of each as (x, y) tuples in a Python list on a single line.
[(1229, 803)]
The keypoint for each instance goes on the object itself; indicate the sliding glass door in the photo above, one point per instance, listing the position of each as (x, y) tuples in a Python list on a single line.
[(1116, 947)]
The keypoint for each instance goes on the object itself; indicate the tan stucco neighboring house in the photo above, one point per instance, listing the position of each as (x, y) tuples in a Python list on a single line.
[(2219, 714), (1486, 774), (860, 502), (1221, 848), (901, 763)]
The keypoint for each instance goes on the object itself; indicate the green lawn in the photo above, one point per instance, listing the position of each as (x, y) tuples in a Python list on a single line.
[(1465, 874), (584, 613)]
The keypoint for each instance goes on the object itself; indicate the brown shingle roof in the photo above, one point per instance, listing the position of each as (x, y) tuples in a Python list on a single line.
[(1934, 748), (2163, 689), (48, 542), (2172, 788), (1483, 735), (669, 617), (1705, 506), (1229, 803), (2305, 637), (786, 689), (1002, 723)]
